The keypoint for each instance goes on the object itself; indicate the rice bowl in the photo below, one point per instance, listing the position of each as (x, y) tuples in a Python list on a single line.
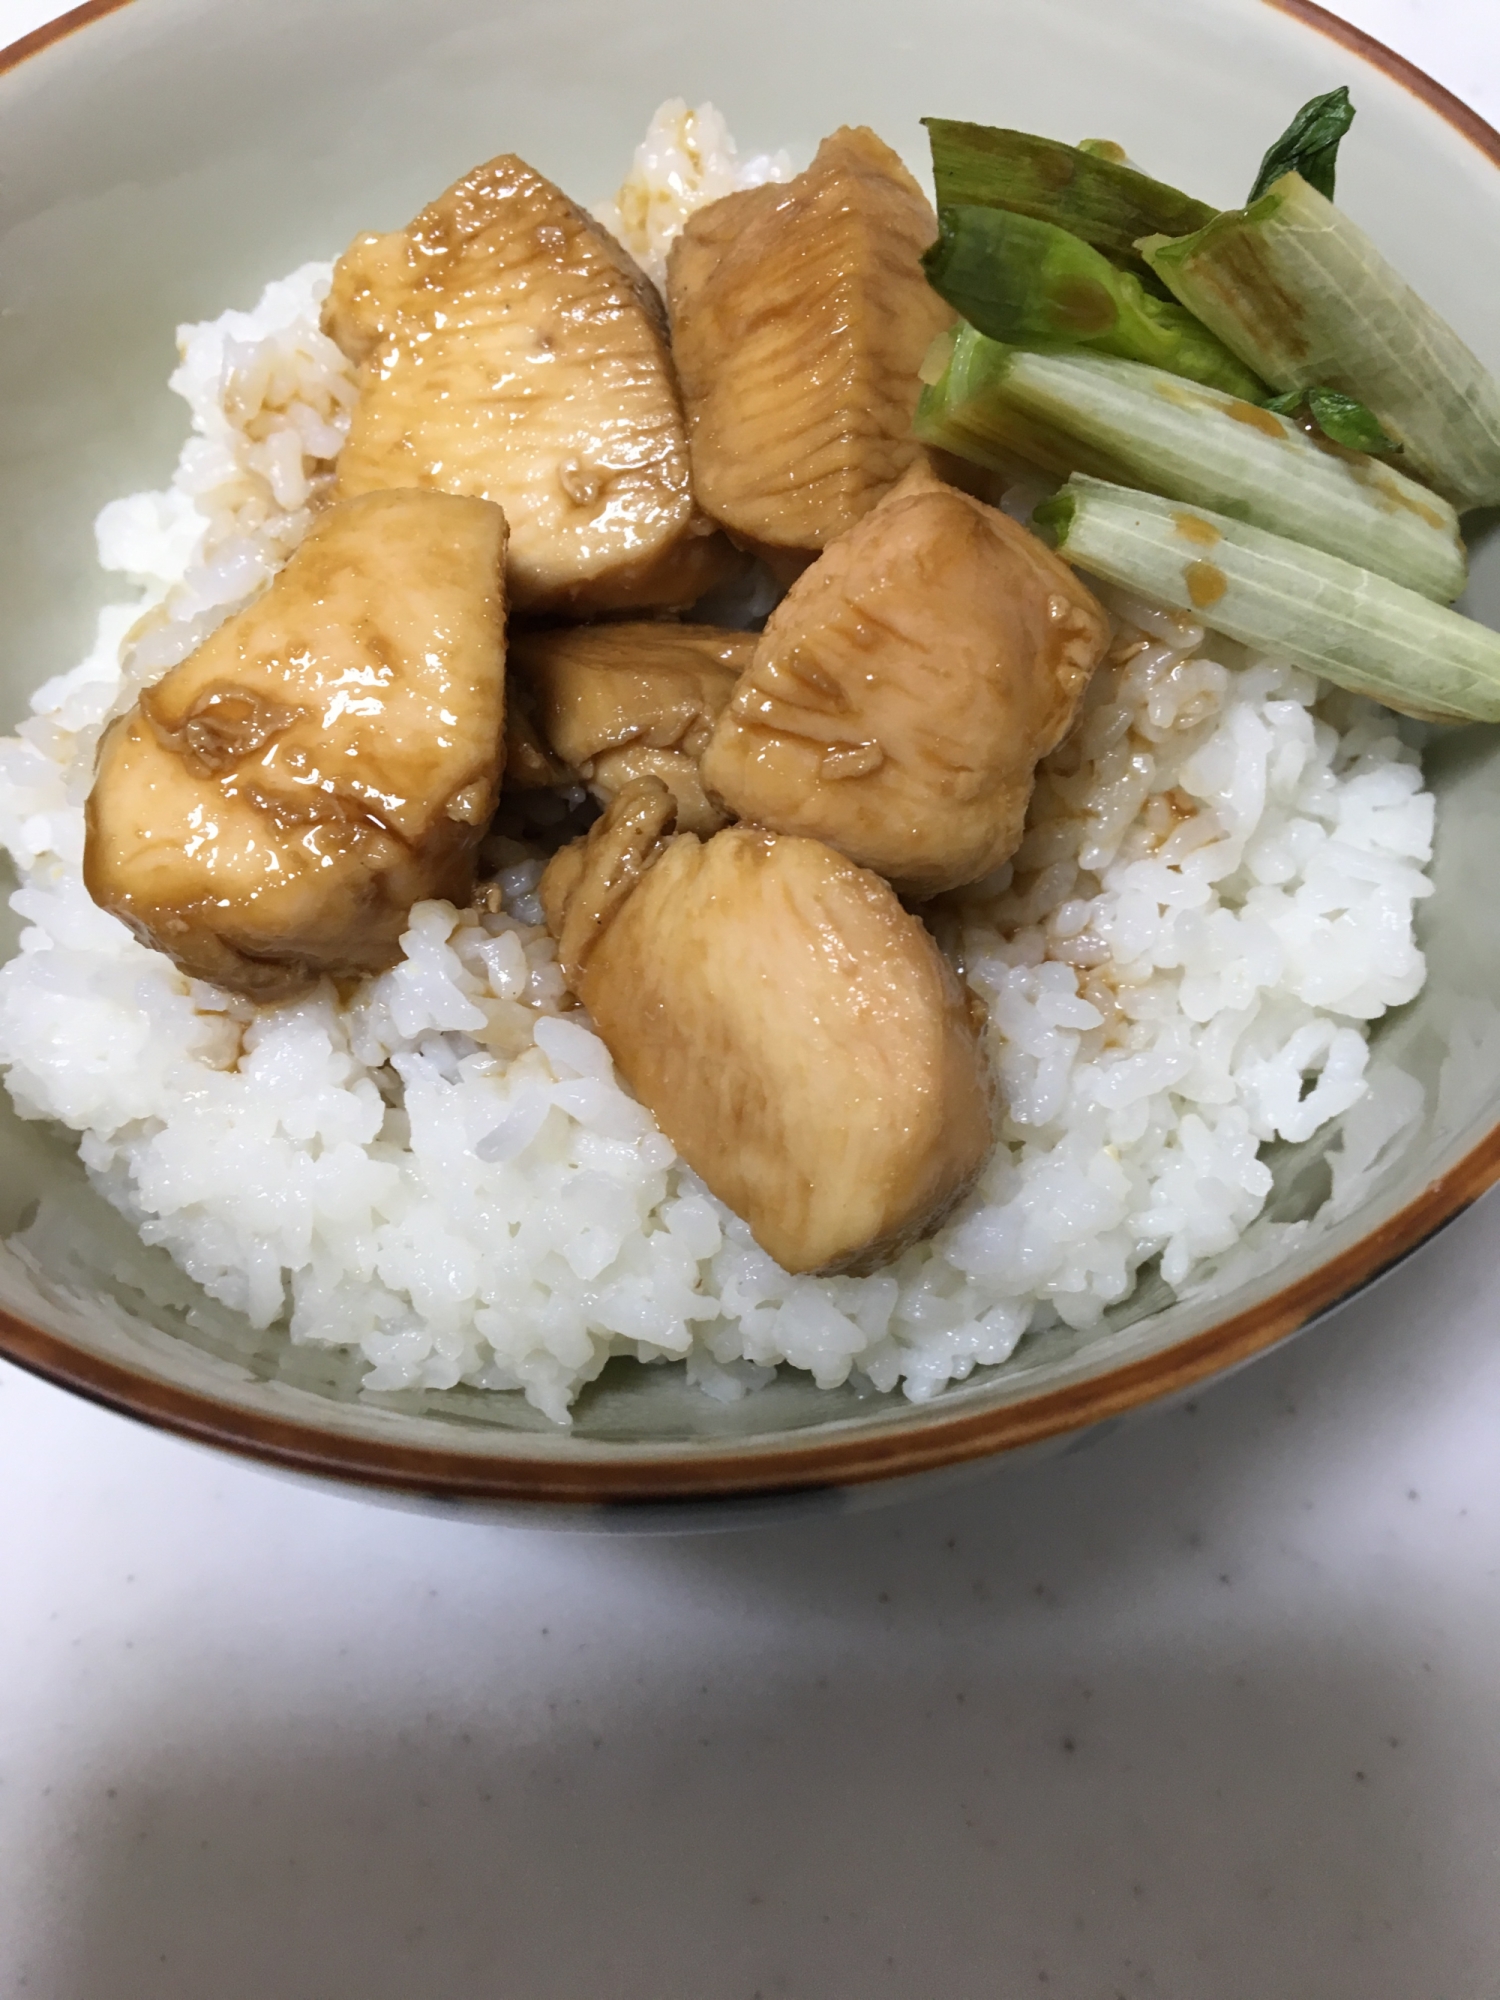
[(1214, 896), (1301, 831)]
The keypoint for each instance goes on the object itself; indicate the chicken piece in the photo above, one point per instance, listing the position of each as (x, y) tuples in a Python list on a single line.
[(509, 348), (529, 765), (905, 688), (616, 702), (800, 316), (271, 809), (797, 1035)]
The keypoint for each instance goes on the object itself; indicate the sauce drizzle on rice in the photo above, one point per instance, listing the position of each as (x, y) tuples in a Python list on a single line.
[(1213, 898)]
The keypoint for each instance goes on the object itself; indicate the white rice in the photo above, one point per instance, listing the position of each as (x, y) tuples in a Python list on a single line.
[(686, 160), (1214, 899)]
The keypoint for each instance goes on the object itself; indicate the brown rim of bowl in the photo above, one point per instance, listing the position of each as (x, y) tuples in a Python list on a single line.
[(931, 1439)]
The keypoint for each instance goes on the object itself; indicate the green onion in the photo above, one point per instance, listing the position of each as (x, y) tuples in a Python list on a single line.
[(1031, 284), (1080, 188), (1141, 427), (1340, 418), (1350, 626), (1303, 297), (1099, 149), (1310, 144), (962, 408)]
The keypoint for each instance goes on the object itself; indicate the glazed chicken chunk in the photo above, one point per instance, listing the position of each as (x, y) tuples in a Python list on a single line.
[(906, 687), (508, 348), (796, 1033), (800, 315), (271, 809), (630, 700)]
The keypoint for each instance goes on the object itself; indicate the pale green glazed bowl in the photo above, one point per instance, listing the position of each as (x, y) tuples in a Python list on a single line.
[(160, 159)]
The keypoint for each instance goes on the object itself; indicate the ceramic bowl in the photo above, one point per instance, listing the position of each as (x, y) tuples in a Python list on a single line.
[(160, 159)]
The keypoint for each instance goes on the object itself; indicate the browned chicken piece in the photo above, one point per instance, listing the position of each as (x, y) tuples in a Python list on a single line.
[(905, 688), (508, 348), (632, 700), (271, 809), (800, 315), (797, 1035), (529, 765)]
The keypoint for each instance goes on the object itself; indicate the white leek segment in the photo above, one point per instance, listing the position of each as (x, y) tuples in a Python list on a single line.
[(1304, 298), (1347, 624), (1140, 426), (962, 409)]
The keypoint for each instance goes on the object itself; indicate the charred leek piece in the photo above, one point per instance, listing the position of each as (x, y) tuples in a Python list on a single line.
[(1031, 284), (1304, 298), (1141, 427), (1354, 628), (1080, 188), (1310, 144)]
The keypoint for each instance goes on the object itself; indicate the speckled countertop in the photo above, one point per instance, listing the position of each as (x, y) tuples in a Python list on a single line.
[(1210, 1711)]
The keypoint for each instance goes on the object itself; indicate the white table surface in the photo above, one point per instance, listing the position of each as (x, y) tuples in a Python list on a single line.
[(1210, 1712)]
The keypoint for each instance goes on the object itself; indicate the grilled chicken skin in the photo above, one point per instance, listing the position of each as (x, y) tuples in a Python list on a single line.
[(800, 315), (906, 687), (271, 809), (508, 348), (796, 1033), (630, 700)]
